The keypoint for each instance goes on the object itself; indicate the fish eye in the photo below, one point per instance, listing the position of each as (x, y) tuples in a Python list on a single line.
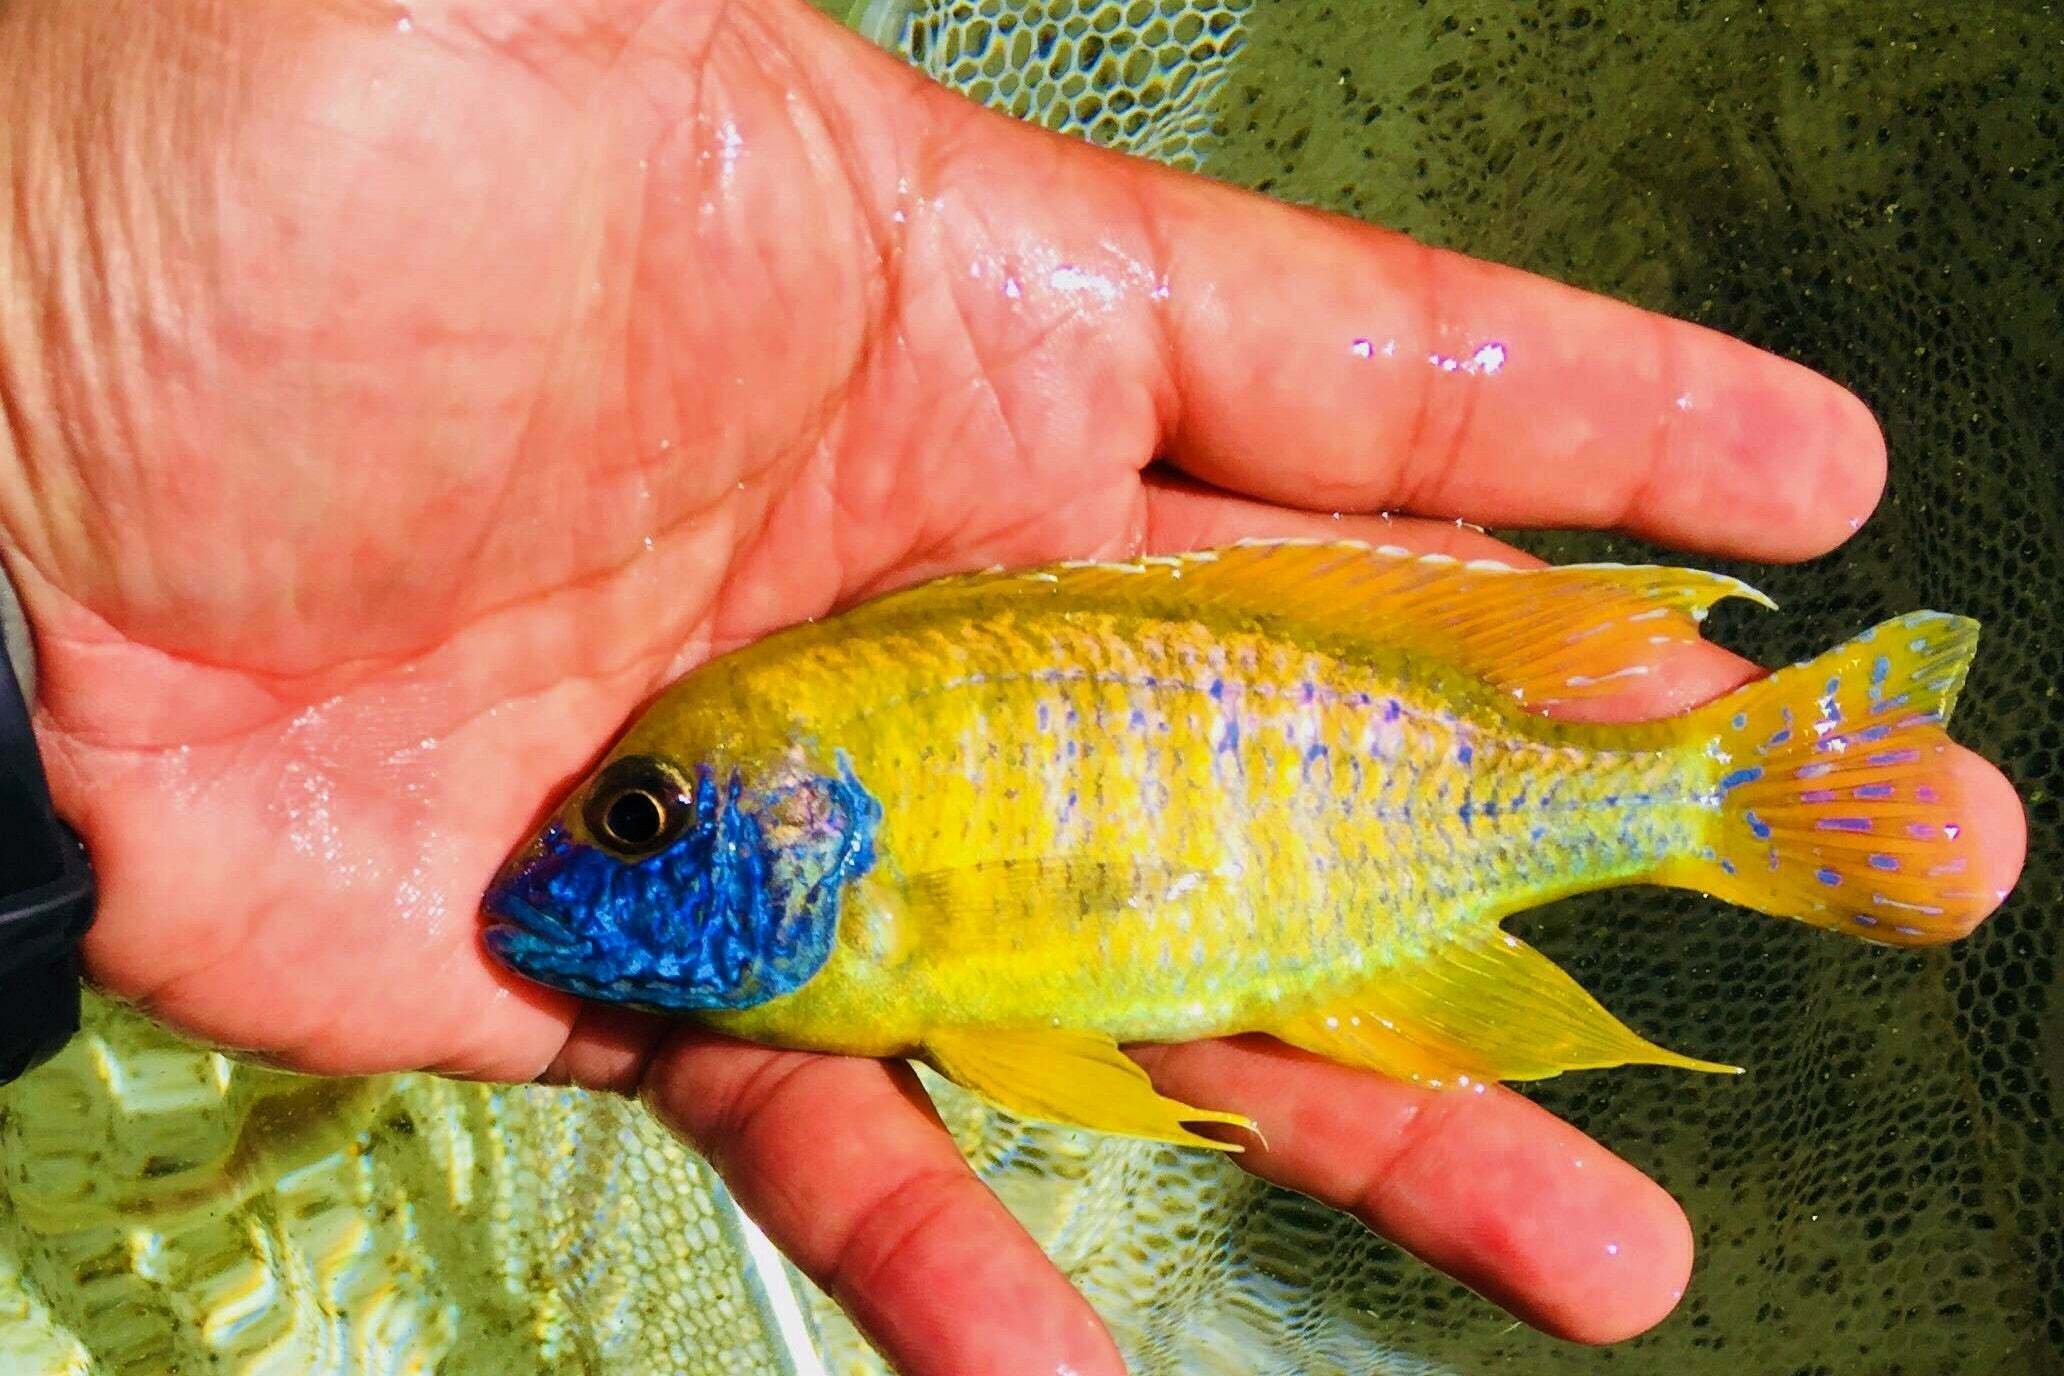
[(634, 818), (636, 808)]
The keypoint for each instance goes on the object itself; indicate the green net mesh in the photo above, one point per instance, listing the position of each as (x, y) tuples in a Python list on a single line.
[(1871, 189), (1143, 75), (169, 1210)]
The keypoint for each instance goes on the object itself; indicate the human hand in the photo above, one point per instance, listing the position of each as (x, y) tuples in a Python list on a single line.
[(392, 407)]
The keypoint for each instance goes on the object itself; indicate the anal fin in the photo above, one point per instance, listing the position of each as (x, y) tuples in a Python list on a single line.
[(1485, 1008), (1076, 1079)]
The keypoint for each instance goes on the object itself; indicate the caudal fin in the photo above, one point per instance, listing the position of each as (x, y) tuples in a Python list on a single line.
[(1838, 805)]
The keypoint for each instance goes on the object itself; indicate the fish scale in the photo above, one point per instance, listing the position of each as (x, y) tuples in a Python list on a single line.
[(1008, 821)]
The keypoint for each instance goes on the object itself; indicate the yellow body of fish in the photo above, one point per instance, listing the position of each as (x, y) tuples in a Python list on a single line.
[(1285, 788)]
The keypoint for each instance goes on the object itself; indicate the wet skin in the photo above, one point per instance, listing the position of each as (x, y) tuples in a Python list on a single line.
[(391, 407)]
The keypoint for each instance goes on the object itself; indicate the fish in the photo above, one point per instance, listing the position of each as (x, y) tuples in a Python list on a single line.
[(1008, 823)]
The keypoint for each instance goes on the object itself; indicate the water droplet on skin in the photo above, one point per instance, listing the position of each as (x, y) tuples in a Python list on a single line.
[(1684, 402), (1364, 349), (1010, 288), (1487, 360), (1612, 1249), (729, 144), (1079, 279)]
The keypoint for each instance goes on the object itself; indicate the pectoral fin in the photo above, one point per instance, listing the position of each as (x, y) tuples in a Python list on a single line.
[(1077, 1079), (1490, 1008)]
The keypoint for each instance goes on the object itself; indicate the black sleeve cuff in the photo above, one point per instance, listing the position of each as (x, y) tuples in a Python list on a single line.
[(46, 894)]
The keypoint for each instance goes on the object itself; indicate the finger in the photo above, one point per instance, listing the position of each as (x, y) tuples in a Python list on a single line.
[(1500, 1194), (607, 1048), (1323, 362), (844, 1164), (1183, 514), (1993, 812)]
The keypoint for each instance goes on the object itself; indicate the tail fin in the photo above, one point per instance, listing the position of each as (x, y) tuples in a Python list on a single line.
[(1836, 805)]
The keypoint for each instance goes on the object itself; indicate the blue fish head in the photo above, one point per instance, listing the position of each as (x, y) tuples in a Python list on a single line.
[(681, 889)]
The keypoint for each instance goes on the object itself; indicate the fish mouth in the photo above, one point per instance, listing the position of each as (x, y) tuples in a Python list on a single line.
[(519, 931), (524, 935)]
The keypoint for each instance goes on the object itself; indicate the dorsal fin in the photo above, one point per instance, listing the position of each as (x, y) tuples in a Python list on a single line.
[(1546, 635)]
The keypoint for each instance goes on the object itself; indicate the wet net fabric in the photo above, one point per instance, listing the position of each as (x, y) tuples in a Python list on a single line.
[(1870, 189), (168, 1211), (1141, 75)]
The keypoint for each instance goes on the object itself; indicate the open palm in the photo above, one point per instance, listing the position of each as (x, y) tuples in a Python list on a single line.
[(396, 399)]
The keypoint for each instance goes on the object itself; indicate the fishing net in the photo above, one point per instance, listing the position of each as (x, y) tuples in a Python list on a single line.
[(1871, 189)]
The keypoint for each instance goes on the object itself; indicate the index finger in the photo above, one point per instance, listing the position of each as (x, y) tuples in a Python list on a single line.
[(845, 1165), (1477, 1181), (1325, 362)]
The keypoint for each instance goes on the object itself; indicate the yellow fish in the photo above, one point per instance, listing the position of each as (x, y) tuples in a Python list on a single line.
[(1003, 823)]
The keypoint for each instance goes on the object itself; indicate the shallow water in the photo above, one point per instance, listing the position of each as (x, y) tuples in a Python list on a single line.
[(1873, 191)]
